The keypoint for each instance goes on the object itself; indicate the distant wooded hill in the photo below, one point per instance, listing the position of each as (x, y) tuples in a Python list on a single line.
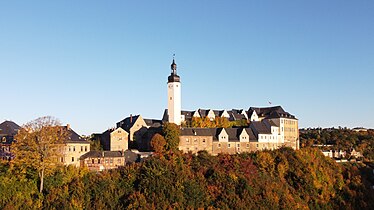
[(340, 139)]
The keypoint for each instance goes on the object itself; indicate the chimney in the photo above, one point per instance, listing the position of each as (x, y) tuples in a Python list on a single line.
[(68, 126), (130, 118)]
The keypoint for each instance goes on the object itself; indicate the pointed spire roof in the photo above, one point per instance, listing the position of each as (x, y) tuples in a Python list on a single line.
[(173, 76)]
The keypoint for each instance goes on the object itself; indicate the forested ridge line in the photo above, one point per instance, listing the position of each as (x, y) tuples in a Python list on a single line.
[(279, 179)]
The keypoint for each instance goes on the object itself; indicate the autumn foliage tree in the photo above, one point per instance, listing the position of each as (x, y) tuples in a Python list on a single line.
[(39, 145), (158, 143)]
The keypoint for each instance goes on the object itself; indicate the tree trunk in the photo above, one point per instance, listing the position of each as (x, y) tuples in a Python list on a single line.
[(41, 180)]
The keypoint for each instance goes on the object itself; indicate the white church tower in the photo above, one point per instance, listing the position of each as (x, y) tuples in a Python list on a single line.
[(174, 96)]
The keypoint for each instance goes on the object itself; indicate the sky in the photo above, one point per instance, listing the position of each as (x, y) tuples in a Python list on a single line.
[(93, 63)]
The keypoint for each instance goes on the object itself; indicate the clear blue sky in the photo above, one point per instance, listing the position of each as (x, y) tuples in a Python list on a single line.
[(93, 63)]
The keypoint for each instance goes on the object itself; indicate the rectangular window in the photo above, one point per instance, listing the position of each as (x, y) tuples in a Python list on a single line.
[(203, 140), (98, 161), (229, 145), (120, 138), (74, 148), (238, 145), (219, 145), (72, 159), (257, 145), (93, 161), (81, 148), (69, 149), (85, 148), (247, 145)]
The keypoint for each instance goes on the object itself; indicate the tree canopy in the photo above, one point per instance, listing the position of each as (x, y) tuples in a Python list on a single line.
[(171, 133), (39, 145), (279, 179)]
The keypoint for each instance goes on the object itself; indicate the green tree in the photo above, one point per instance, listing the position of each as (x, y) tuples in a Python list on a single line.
[(171, 133), (39, 145)]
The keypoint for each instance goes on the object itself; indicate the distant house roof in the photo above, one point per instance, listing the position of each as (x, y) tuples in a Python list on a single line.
[(203, 112), (98, 154), (73, 137), (153, 122), (9, 128), (128, 122)]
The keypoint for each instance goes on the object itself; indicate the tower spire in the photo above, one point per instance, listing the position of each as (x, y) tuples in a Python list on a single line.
[(173, 66)]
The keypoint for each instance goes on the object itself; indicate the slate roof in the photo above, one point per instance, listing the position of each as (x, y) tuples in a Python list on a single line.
[(97, 154), (187, 114), (271, 123), (165, 117), (128, 122), (9, 128), (250, 133), (270, 112), (203, 112), (196, 132), (153, 122), (233, 133), (73, 137), (260, 127)]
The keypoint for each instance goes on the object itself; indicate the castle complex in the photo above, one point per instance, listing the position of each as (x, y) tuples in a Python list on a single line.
[(266, 128)]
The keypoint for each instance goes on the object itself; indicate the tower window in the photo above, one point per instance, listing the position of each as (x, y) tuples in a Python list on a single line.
[(171, 98)]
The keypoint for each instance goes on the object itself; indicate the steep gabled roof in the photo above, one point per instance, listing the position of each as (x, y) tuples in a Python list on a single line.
[(73, 137), (128, 122), (153, 122), (9, 128), (233, 133), (260, 127), (250, 133), (203, 112)]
